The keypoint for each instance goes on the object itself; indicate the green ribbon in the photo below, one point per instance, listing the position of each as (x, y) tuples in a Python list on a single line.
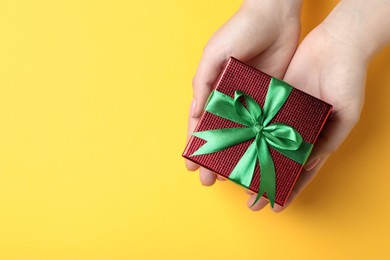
[(281, 137)]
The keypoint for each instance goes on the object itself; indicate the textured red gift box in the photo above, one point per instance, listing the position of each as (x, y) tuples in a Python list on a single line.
[(302, 111)]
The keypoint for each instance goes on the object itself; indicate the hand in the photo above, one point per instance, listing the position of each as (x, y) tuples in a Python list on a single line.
[(334, 70), (263, 34)]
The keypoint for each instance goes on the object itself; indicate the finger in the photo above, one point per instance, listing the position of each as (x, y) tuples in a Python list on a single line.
[(207, 177), (220, 178), (335, 131), (261, 203), (304, 179), (191, 166)]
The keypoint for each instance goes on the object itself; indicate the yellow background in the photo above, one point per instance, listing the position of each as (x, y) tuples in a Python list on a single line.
[(94, 98)]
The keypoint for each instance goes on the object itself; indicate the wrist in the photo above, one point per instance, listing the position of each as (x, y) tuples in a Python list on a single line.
[(341, 52), (285, 8), (360, 24)]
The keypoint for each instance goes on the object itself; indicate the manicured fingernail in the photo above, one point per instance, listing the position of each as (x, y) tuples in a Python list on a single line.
[(193, 107), (312, 163)]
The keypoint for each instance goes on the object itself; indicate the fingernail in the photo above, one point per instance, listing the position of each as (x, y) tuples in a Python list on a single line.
[(312, 163), (193, 107)]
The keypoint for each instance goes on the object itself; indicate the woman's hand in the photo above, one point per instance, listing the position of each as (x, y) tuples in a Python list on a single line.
[(263, 34), (334, 70), (331, 64)]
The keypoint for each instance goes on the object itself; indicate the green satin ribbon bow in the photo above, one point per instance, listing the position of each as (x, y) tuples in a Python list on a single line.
[(281, 137)]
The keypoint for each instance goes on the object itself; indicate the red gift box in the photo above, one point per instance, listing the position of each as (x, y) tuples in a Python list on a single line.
[(305, 113)]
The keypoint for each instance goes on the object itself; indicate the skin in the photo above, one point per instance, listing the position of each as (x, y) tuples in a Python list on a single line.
[(336, 53)]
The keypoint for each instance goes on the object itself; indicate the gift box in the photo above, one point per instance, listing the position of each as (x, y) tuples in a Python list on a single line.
[(257, 131)]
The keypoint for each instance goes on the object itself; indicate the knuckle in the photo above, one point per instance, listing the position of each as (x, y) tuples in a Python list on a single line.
[(194, 81)]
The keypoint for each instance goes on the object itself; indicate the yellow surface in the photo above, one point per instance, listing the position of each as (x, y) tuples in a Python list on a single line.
[(93, 106)]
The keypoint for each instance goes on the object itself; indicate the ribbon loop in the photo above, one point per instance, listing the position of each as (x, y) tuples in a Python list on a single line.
[(282, 136), (253, 109), (249, 114)]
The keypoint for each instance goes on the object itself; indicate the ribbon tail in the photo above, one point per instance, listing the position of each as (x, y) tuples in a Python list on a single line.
[(244, 169), (220, 139), (267, 172)]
